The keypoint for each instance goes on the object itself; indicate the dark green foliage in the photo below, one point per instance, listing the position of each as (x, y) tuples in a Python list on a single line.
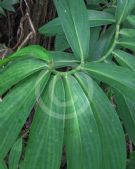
[(71, 108), (7, 5)]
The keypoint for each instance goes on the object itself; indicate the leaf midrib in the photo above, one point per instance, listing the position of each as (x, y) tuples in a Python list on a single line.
[(124, 61), (70, 93), (79, 43), (123, 11), (105, 75)]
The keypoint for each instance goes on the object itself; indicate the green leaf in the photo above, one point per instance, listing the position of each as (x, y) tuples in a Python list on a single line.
[(127, 42), (113, 152), (11, 1), (61, 43), (82, 141), (104, 43), (69, 12), (114, 76), (30, 51), (131, 161), (123, 9), (131, 20), (126, 109), (7, 4), (61, 59), (2, 12), (44, 149), (99, 18), (110, 10), (96, 18), (95, 33), (95, 2), (2, 165), (52, 28), (15, 109), (124, 59), (8, 7), (127, 32), (15, 154), (17, 71), (131, 164)]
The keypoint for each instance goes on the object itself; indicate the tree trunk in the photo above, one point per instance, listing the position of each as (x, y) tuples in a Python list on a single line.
[(21, 28)]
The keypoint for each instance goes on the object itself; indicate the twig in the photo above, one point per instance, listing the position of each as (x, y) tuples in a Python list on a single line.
[(28, 9), (20, 31), (0, 99), (130, 146), (32, 34), (25, 40)]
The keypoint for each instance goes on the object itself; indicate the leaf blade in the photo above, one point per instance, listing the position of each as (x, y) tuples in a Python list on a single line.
[(99, 18), (47, 129), (61, 59), (17, 71), (15, 113), (80, 129), (124, 59), (105, 116), (126, 109), (123, 9), (15, 154), (95, 18), (115, 77), (35, 51), (69, 11)]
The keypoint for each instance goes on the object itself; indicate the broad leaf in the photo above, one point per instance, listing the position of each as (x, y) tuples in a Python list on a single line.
[(114, 76), (82, 141), (109, 126), (44, 149), (94, 1), (52, 28), (2, 12), (69, 13), (95, 32), (96, 18), (131, 20), (127, 42), (61, 59), (126, 110), (123, 80), (99, 18), (30, 51), (17, 71), (7, 4), (104, 43), (123, 9), (2, 165), (125, 106), (127, 32), (61, 43), (11, 1), (124, 59), (15, 154), (15, 109)]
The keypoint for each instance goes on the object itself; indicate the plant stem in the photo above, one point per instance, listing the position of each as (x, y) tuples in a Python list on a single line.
[(67, 73)]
